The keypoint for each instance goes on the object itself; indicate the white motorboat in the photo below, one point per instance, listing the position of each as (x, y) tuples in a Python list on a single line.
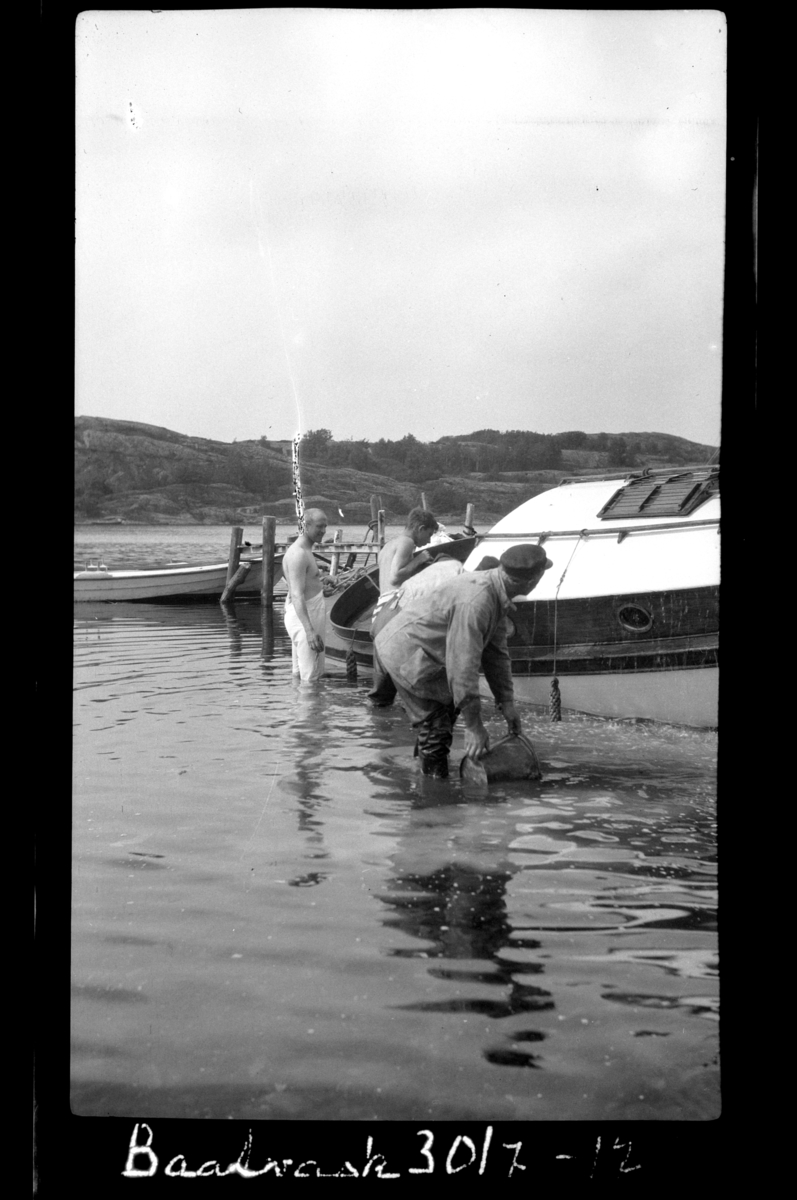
[(627, 619)]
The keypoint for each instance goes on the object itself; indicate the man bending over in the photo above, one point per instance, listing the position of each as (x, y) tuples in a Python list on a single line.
[(436, 646)]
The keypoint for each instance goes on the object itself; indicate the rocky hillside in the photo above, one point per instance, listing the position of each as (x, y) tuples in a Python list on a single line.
[(145, 474)]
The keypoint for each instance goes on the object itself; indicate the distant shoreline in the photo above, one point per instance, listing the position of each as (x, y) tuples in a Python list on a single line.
[(130, 474), (450, 520)]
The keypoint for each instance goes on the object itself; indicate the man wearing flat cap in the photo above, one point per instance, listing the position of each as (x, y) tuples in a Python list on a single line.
[(438, 643)]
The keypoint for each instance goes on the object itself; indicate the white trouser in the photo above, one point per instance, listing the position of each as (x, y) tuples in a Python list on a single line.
[(380, 606), (306, 663)]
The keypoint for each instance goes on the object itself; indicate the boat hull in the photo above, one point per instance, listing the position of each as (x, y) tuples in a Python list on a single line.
[(653, 655), (167, 585), (672, 677), (678, 696)]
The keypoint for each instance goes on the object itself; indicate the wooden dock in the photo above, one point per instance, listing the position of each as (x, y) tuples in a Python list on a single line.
[(344, 557)]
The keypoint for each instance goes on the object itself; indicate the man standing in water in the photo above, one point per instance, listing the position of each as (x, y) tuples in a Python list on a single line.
[(305, 611), (398, 562), (435, 647)]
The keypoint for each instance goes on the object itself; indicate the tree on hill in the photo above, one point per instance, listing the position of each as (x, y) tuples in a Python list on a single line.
[(620, 454), (315, 443), (445, 497), (573, 439), (485, 435), (353, 454)]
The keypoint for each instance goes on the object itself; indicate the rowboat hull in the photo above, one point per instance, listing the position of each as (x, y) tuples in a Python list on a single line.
[(627, 619), (349, 620), (349, 614), (166, 585)]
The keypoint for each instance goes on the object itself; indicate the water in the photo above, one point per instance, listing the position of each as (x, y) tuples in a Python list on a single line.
[(138, 547), (275, 917)]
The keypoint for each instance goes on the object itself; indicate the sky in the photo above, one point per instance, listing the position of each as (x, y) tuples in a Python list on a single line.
[(410, 221)]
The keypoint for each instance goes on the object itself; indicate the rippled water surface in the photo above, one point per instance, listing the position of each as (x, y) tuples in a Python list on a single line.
[(275, 917), (139, 547)]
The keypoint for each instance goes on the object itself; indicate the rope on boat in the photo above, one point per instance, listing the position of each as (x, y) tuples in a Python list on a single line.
[(345, 578), (556, 697)]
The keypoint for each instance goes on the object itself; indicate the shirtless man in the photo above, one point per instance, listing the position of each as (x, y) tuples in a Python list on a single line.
[(398, 562), (305, 612)]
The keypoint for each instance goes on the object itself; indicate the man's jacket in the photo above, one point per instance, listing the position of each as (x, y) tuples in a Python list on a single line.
[(438, 643)]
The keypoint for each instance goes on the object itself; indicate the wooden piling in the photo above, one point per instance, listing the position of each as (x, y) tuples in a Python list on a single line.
[(380, 527), (423, 499), (267, 575), (267, 630), (236, 535), (468, 527), (237, 579)]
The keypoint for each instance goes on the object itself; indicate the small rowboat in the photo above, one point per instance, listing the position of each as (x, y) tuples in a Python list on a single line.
[(349, 617), (166, 585)]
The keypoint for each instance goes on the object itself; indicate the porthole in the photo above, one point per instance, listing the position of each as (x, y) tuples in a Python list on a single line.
[(635, 618)]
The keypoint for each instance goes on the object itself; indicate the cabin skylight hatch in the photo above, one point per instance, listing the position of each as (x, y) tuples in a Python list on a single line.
[(671, 496)]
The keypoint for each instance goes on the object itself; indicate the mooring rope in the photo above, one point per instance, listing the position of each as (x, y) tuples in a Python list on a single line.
[(556, 698)]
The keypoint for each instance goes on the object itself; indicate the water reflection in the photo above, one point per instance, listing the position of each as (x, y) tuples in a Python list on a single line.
[(460, 913), (538, 875), (235, 629), (309, 743), (267, 631)]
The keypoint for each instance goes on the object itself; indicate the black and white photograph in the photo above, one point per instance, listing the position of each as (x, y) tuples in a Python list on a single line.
[(400, 373)]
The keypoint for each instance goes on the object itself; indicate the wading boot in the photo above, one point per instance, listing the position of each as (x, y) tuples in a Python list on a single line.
[(436, 767)]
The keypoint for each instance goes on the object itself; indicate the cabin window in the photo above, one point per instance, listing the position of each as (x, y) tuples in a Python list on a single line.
[(635, 618), (674, 495)]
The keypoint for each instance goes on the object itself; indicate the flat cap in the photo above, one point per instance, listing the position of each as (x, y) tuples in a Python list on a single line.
[(525, 559)]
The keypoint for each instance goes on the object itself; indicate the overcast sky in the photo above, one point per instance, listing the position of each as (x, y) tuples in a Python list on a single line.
[(382, 223)]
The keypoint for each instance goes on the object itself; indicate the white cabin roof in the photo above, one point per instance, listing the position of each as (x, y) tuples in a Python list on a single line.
[(610, 555), (576, 504)]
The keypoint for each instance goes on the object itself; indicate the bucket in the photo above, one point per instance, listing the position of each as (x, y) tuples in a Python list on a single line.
[(512, 757)]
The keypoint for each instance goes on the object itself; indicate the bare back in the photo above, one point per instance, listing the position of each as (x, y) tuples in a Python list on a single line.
[(393, 556)]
